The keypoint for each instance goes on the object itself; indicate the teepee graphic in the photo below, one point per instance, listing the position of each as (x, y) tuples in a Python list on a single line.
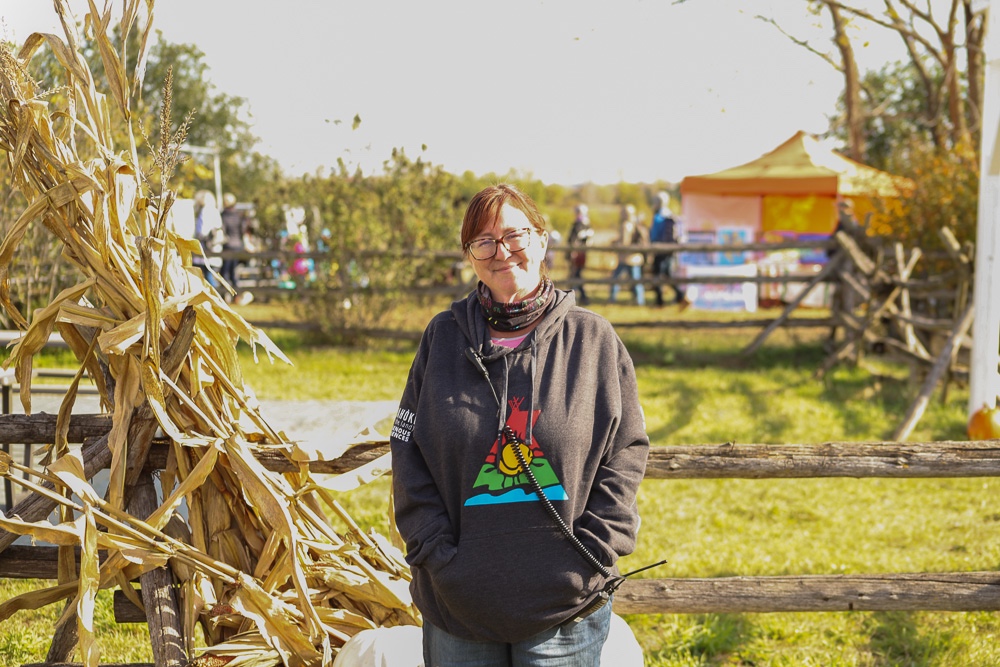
[(501, 478)]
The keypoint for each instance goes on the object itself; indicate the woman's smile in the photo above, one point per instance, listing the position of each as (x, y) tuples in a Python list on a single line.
[(512, 276)]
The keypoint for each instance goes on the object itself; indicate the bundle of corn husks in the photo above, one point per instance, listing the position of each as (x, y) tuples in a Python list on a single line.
[(261, 567)]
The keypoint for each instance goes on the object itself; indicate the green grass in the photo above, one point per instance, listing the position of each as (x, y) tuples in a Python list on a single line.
[(697, 387)]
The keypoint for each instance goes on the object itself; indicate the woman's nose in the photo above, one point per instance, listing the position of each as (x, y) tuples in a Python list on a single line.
[(502, 248)]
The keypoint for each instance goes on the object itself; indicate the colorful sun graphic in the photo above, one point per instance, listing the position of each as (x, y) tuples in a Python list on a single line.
[(502, 479)]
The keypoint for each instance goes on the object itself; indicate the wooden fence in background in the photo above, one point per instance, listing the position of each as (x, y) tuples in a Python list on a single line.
[(262, 271), (930, 591)]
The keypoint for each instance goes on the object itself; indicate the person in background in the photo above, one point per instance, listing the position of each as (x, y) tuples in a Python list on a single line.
[(518, 402), (208, 231), (234, 229), (581, 235), (302, 268), (665, 229), (630, 233), (555, 240)]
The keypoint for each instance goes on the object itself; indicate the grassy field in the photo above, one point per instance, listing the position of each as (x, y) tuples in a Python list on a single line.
[(697, 387)]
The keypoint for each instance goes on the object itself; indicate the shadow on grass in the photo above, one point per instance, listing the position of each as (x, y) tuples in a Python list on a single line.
[(684, 402), (738, 373), (713, 639), (895, 639), (676, 354), (868, 401)]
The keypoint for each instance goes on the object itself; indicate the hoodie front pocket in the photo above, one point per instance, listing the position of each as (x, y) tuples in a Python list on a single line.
[(514, 584)]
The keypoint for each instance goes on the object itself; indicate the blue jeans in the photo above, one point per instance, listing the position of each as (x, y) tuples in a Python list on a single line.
[(577, 645), (636, 273), (209, 276)]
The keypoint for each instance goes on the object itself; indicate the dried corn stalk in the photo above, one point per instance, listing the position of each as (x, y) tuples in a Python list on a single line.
[(262, 568)]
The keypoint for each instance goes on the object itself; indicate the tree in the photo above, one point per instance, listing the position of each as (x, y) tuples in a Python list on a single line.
[(847, 65), (899, 123), (217, 119), (220, 120), (943, 39), (921, 117)]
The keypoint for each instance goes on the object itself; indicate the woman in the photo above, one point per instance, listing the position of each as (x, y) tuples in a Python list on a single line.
[(516, 376), (630, 263), (208, 230)]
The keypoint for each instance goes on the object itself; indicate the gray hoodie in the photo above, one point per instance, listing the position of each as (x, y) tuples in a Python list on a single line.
[(488, 562)]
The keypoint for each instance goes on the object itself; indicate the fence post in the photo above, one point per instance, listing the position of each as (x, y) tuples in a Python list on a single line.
[(6, 381)]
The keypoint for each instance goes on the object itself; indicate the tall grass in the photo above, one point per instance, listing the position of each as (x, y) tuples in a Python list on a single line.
[(696, 387)]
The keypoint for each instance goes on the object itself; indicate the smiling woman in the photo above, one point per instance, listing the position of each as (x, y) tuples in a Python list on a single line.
[(504, 234), (477, 478)]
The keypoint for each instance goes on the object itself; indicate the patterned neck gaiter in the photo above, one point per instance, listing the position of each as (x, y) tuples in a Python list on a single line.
[(517, 314)]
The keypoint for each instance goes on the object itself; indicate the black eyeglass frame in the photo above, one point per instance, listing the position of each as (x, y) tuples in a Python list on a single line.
[(528, 232)]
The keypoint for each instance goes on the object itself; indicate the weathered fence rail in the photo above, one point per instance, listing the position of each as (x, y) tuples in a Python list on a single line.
[(943, 591)]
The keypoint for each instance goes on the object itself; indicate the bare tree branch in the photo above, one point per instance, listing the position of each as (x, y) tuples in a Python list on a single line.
[(799, 42)]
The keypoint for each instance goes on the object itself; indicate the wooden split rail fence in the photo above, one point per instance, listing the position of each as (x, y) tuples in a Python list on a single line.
[(930, 591), (260, 271)]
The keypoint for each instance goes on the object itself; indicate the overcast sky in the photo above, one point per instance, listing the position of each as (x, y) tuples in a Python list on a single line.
[(565, 90)]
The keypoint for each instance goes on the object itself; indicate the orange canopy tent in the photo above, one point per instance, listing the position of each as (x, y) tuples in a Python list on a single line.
[(793, 188)]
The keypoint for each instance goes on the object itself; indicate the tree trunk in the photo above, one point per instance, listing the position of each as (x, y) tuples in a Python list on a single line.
[(854, 120), (974, 34)]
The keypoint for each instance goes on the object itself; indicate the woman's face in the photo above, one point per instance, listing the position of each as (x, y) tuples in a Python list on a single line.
[(511, 276)]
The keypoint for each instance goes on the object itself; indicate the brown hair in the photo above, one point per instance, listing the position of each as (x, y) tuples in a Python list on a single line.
[(485, 207)]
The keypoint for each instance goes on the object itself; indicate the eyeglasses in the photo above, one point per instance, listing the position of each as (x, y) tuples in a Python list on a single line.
[(514, 241)]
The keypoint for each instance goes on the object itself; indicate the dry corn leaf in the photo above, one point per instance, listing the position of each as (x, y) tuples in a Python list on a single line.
[(87, 592), (66, 533), (36, 599), (246, 649), (69, 469), (128, 397), (15, 233), (191, 481), (151, 265), (89, 194), (278, 623), (37, 337), (353, 479)]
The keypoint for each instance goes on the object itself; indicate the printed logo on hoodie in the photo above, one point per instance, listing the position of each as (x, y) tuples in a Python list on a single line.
[(501, 479), (402, 428)]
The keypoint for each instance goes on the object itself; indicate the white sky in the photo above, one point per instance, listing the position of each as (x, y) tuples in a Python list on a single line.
[(565, 90)]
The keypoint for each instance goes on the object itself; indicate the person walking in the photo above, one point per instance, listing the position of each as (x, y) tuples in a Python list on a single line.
[(630, 233), (234, 227), (665, 229), (517, 452)]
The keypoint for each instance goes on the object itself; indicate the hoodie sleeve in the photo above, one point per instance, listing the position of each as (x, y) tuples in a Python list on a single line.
[(421, 516), (610, 521)]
